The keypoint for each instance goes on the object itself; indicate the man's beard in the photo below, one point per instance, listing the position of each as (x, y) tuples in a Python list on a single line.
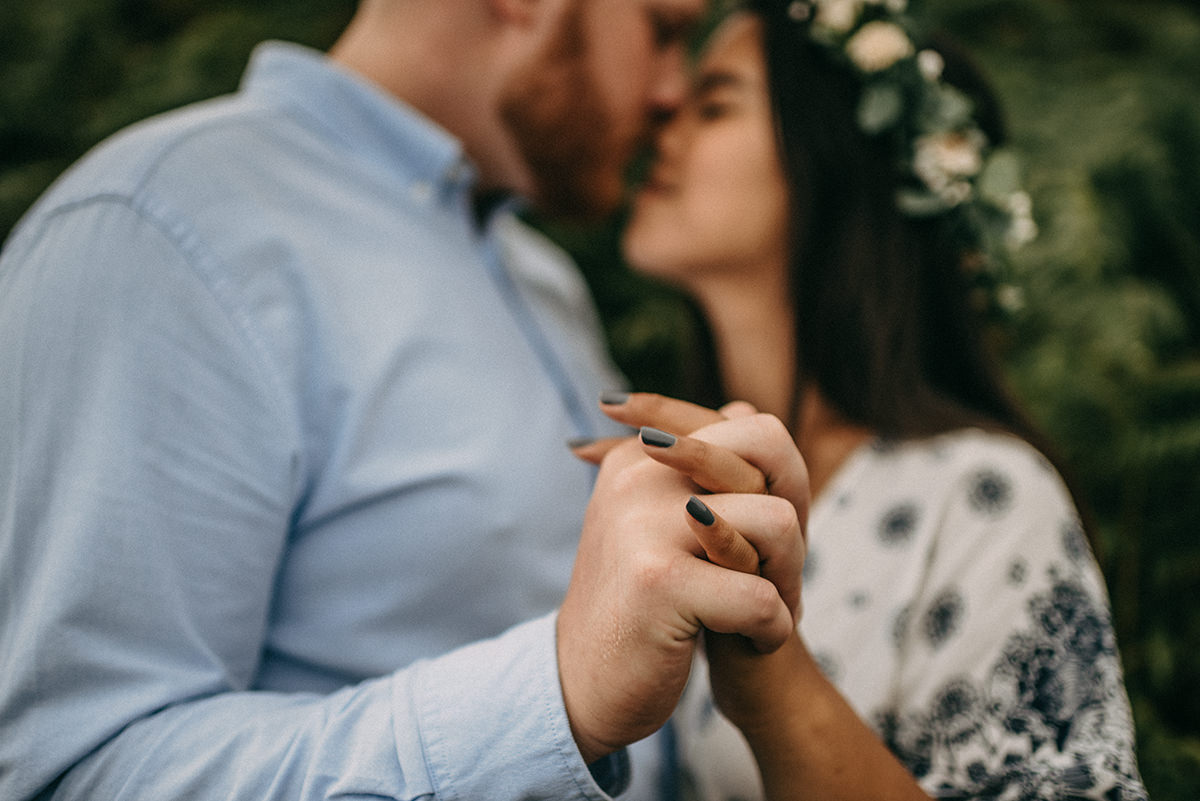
[(564, 129)]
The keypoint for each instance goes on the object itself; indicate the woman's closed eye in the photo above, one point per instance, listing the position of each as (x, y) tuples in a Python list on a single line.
[(709, 110), (717, 94)]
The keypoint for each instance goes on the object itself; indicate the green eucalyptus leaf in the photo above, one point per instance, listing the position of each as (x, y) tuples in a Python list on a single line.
[(880, 108)]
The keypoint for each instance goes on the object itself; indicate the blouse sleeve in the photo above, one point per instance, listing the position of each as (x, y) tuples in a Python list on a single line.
[(1010, 683)]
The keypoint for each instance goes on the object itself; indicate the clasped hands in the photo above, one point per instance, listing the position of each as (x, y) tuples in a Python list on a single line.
[(650, 576)]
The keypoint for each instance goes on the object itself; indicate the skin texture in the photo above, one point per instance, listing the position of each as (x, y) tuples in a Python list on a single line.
[(712, 220), (550, 98), (642, 590), (714, 208), (565, 129), (580, 110), (527, 86)]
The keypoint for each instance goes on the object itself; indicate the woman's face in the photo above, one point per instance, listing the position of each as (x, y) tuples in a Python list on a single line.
[(715, 203)]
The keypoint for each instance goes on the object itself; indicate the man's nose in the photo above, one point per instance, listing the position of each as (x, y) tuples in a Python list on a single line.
[(670, 84)]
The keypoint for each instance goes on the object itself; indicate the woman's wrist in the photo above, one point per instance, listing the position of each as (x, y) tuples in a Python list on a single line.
[(759, 693)]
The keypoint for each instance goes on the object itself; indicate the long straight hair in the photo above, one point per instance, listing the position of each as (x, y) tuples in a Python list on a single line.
[(887, 331)]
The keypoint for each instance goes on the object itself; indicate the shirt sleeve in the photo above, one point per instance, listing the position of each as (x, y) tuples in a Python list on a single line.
[(1010, 685), (150, 463)]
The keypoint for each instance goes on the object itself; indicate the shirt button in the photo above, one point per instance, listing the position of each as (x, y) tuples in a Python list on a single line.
[(421, 192)]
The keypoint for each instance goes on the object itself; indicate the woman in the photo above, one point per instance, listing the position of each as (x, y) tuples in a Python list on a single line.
[(824, 198)]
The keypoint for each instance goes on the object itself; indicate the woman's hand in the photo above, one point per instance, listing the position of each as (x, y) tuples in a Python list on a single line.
[(754, 455), (807, 740), (735, 450), (749, 686), (642, 592)]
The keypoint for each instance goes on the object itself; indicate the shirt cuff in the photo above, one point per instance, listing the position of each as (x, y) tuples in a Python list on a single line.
[(491, 723)]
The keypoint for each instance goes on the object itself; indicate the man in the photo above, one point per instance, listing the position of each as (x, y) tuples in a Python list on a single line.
[(285, 505)]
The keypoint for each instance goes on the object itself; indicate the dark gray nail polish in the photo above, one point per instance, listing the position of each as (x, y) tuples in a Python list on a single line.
[(700, 511), (580, 442), (613, 398), (659, 439)]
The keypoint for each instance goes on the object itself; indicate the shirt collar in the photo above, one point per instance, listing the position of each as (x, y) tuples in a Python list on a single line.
[(376, 125)]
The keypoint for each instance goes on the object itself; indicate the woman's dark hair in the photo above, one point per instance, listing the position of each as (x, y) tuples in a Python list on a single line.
[(885, 330), (885, 326)]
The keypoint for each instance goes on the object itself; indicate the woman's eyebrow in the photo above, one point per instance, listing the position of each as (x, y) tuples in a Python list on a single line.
[(711, 81)]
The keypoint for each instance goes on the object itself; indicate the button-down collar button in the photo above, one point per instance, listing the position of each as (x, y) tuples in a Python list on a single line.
[(458, 173), (421, 192)]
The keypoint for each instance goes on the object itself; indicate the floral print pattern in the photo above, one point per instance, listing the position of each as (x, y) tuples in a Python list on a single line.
[(1048, 692), (958, 608)]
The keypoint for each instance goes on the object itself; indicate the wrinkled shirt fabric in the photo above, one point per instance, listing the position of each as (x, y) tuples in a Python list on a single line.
[(285, 502)]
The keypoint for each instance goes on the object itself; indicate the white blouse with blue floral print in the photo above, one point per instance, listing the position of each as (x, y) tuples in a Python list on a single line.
[(950, 594)]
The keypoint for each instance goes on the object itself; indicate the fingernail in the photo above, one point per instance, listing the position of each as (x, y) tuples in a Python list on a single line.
[(700, 511), (659, 439), (613, 398), (580, 442)]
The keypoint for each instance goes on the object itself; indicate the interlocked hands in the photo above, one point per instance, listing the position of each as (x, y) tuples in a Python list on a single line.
[(698, 530)]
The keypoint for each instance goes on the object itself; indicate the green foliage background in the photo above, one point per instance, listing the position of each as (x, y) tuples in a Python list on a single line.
[(1104, 108)]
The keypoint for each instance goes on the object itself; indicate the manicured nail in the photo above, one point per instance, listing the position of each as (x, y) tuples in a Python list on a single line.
[(580, 442), (700, 511), (613, 398), (659, 439)]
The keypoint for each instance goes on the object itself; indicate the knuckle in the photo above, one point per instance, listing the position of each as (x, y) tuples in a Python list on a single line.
[(622, 454), (781, 517), (633, 477), (763, 603), (649, 570), (738, 408), (756, 482), (624, 482), (770, 425)]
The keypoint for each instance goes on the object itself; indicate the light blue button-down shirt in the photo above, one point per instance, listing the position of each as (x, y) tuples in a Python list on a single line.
[(285, 502)]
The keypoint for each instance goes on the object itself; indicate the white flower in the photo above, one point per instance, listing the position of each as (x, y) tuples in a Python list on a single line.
[(838, 15), (955, 193), (942, 159), (1010, 298), (931, 64), (1021, 228), (878, 45), (799, 10), (1020, 204)]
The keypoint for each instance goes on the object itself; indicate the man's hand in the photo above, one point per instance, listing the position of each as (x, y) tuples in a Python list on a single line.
[(755, 454), (643, 590)]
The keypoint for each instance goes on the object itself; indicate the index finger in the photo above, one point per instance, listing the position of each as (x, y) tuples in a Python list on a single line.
[(649, 409), (712, 467), (723, 544)]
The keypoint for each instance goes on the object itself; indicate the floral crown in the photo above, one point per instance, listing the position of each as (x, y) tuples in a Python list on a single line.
[(949, 165)]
